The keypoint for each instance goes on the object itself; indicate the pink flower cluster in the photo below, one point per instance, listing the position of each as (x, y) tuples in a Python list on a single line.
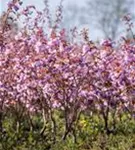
[(37, 69)]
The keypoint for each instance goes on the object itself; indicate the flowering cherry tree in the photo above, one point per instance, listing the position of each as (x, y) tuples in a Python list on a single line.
[(43, 72)]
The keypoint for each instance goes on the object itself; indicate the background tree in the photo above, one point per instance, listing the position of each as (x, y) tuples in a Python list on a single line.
[(106, 15), (71, 15)]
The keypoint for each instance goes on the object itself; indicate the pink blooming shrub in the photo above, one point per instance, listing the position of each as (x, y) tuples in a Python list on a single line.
[(44, 71)]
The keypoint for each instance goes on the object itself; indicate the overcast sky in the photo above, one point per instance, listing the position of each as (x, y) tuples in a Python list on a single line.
[(39, 3), (53, 3)]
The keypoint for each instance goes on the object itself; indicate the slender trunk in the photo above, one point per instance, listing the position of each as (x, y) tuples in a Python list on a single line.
[(1, 128), (31, 123), (17, 126), (105, 117), (53, 127), (44, 122), (67, 126)]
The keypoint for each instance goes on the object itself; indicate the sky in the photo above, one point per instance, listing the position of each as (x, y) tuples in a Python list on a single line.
[(53, 4), (39, 3)]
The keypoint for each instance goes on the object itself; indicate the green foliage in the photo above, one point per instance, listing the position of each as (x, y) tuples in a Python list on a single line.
[(89, 130)]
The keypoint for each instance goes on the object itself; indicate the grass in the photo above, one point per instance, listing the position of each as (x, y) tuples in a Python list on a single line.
[(89, 130)]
